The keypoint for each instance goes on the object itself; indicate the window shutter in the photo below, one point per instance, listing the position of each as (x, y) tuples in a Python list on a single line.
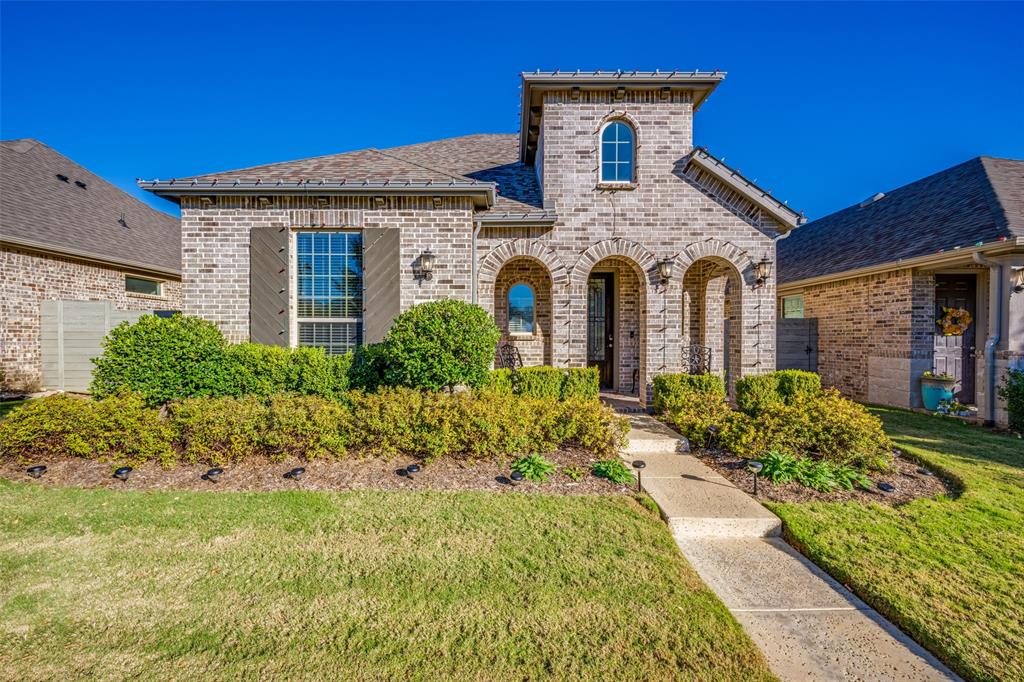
[(268, 286), (382, 300)]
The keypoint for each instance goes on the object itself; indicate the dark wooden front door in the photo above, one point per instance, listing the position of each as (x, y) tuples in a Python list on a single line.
[(601, 326), (955, 354)]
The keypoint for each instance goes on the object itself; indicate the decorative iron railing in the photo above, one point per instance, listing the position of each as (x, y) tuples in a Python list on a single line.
[(509, 357), (698, 359)]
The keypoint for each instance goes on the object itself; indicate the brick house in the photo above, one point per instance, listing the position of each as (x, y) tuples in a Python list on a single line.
[(878, 275), (599, 235), (67, 234)]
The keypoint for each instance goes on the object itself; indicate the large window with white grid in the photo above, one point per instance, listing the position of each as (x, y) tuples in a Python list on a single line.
[(329, 289)]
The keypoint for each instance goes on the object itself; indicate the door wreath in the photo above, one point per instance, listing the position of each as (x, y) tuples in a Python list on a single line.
[(954, 321)]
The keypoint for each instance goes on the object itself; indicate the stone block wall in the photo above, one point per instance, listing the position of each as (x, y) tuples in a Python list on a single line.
[(30, 278)]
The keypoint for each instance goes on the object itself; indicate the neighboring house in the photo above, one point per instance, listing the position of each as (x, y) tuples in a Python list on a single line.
[(599, 235), (67, 234), (877, 276)]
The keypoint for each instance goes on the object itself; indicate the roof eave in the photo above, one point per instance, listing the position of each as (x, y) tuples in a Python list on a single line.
[(786, 216), (483, 194), (80, 254), (519, 218)]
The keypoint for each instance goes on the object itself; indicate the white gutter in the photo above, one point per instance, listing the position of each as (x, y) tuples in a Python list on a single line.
[(995, 270)]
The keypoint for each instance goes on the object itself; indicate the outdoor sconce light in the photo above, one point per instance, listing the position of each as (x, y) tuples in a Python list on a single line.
[(1018, 281), (36, 471), (213, 474), (665, 269), (295, 474), (639, 464), (755, 468), (762, 270), (122, 473), (427, 264)]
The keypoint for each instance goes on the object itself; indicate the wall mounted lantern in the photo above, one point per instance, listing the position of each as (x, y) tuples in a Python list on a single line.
[(1018, 280), (427, 264), (762, 271), (665, 266)]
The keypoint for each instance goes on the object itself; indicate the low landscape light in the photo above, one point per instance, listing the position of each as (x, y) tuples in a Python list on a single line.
[(295, 474), (516, 476), (755, 468), (925, 472), (122, 473), (638, 464), (887, 487), (213, 474), (412, 469), (36, 471)]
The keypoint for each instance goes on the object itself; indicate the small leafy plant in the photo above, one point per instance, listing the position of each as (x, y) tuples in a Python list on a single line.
[(573, 473), (780, 467), (534, 467), (614, 470)]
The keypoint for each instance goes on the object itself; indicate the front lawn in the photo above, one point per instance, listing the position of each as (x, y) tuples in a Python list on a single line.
[(949, 572), (357, 585)]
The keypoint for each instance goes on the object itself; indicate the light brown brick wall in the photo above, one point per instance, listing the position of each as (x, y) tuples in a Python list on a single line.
[(27, 279)]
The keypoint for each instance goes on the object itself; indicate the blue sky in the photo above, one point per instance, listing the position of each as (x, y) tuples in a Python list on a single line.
[(825, 104)]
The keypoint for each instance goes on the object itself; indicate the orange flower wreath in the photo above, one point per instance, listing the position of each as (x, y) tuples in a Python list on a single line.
[(954, 321)]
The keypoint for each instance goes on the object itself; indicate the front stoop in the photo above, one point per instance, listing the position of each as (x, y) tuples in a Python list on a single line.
[(808, 626)]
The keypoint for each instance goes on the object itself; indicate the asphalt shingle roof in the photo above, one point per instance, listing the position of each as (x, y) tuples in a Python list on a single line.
[(39, 208), (979, 200), (480, 158)]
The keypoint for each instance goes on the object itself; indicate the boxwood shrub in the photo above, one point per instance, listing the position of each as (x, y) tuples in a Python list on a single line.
[(546, 382), (1012, 391), (756, 393), (670, 389)]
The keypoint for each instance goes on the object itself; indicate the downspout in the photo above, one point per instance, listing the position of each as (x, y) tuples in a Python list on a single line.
[(477, 226), (995, 270)]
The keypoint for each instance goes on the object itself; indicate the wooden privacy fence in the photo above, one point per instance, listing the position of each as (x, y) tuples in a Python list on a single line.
[(796, 344), (71, 334)]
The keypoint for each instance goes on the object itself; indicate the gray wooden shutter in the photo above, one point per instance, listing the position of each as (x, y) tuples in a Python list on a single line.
[(268, 286), (381, 281)]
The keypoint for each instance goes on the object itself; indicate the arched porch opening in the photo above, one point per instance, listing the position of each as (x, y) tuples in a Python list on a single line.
[(616, 324), (523, 308), (713, 319)]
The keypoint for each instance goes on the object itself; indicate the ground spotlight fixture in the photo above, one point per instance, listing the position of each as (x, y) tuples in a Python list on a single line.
[(213, 474), (516, 476), (755, 468), (925, 472), (665, 266), (887, 487), (712, 433), (412, 469), (762, 270), (427, 264), (295, 474), (36, 471), (638, 464), (122, 473)]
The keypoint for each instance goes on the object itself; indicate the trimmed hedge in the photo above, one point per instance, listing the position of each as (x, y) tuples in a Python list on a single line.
[(546, 382), (390, 423), (164, 359), (670, 389), (756, 393)]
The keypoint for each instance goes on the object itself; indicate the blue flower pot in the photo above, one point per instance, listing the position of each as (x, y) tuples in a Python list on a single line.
[(934, 391)]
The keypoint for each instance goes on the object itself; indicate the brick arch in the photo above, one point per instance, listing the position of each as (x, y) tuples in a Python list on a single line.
[(716, 249), (641, 259), (491, 264), (623, 115)]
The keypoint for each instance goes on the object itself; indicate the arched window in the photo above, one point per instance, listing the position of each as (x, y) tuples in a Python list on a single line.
[(521, 309), (617, 152)]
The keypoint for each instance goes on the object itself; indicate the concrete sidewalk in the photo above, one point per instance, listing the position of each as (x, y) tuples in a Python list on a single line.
[(808, 626)]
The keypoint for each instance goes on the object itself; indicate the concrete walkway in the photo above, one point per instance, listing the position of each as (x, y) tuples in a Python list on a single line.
[(808, 626)]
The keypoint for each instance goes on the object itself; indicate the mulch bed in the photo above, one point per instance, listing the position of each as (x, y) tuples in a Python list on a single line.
[(262, 474), (907, 477)]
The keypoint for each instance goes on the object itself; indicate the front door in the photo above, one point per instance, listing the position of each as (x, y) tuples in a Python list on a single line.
[(601, 326), (955, 354)]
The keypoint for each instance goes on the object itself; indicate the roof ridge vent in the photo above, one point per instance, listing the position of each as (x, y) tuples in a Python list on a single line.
[(872, 199)]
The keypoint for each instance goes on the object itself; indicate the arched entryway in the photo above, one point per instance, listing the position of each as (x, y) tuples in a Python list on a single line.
[(616, 322), (713, 318), (523, 308)]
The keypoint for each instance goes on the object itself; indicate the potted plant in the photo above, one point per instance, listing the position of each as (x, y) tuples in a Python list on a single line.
[(936, 388)]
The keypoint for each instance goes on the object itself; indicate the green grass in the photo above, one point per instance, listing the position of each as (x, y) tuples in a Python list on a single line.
[(950, 572), (360, 585)]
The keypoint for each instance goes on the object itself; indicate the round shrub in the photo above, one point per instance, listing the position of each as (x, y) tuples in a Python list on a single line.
[(438, 345), (256, 369), (162, 359)]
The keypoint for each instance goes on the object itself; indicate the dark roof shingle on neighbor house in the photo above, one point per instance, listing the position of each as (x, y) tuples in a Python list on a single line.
[(82, 215), (981, 200)]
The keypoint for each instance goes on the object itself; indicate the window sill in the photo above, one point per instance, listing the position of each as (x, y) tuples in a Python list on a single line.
[(148, 297), (522, 335), (616, 186)]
